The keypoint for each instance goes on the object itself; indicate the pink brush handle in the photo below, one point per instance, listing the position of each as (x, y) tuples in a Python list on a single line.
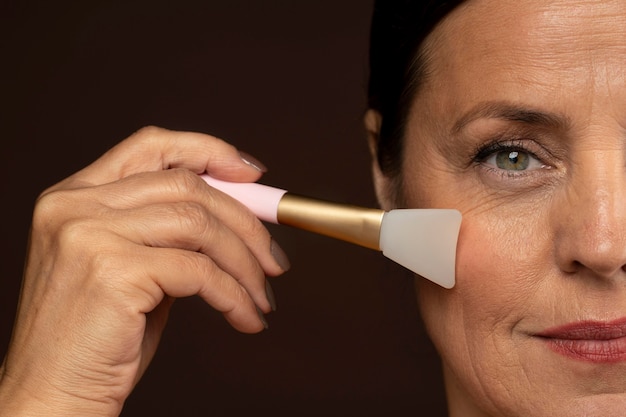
[(261, 199)]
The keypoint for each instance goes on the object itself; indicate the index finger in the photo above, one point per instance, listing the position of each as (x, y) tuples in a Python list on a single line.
[(155, 149)]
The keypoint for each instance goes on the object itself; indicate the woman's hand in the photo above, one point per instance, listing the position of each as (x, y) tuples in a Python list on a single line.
[(111, 247)]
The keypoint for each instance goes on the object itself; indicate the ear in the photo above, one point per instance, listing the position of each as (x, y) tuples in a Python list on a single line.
[(382, 183)]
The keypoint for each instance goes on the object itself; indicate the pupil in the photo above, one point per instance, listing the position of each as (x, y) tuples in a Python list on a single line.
[(512, 161)]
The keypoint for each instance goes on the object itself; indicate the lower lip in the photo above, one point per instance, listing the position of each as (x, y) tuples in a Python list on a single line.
[(597, 351), (589, 342)]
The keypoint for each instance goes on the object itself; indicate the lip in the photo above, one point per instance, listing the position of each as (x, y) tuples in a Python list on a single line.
[(589, 341)]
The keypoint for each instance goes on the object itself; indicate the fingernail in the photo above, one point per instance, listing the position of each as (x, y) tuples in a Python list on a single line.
[(280, 256), (252, 161), (270, 295), (262, 318)]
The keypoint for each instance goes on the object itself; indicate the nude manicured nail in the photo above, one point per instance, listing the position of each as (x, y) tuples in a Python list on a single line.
[(270, 295), (252, 161), (280, 256)]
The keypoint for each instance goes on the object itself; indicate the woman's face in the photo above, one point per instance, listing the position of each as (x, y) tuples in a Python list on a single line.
[(521, 125)]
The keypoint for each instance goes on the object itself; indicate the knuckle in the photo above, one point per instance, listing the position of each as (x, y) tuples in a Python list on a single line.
[(231, 296), (253, 228), (203, 265), (50, 208), (185, 182), (115, 274), (240, 297), (241, 219), (211, 281), (76, 233), (193, 216), (145, 140), (148, 133), (222, 144)]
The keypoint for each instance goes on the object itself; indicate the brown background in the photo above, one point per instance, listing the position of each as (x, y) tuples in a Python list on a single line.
[(284, 81)]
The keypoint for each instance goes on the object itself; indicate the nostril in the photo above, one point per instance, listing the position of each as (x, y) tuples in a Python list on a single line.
[(572, 267)]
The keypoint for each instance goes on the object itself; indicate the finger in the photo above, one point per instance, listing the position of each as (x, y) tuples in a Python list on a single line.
[(155, 323), (154, 149), (190, 227), (178, 185), (174, 208), (179, 273)]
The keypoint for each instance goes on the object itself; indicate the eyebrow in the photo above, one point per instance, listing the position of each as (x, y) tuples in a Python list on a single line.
[(514, 113)]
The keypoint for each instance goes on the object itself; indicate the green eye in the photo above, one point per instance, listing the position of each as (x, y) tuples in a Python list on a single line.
[(512, 160)]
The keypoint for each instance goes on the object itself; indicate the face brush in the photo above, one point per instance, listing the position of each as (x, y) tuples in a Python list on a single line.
[(422, 240)]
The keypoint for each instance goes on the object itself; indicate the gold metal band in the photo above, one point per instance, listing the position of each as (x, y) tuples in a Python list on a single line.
[(353, 224)]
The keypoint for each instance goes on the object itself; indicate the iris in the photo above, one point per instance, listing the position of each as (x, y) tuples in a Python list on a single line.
[(512, 160)]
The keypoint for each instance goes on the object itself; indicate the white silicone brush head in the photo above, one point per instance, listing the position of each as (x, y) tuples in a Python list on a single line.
[(424, 241)]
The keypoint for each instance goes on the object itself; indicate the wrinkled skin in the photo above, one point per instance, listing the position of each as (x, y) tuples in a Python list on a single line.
[(521, 125), (111, 247)]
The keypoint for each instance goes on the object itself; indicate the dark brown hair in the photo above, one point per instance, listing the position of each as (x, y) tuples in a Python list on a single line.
[(398, 66)]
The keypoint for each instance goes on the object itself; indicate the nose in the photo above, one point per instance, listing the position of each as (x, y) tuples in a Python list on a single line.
[(591, 217)]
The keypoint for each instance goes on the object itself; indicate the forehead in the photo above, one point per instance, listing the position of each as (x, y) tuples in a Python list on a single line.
[(542, 42)]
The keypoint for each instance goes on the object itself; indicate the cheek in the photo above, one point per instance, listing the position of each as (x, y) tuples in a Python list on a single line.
[(504, 258), (502, 263), (480, 296), (500, 271)]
